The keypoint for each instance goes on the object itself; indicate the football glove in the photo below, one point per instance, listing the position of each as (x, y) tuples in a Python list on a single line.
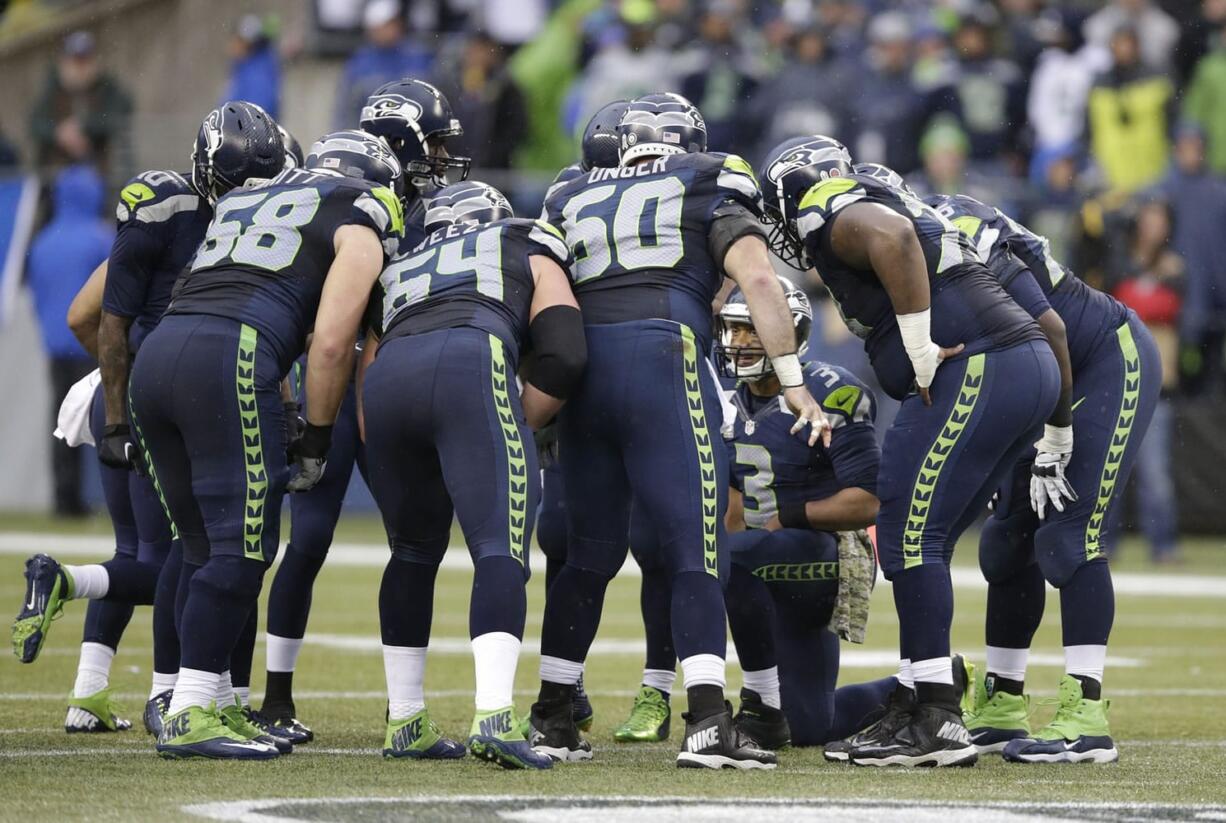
[(295, 425), (117, 450), (546, 438), (309, 456), (1047, 481)]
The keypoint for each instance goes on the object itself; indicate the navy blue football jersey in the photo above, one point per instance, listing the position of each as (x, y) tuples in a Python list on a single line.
[(563, 177), (1014, 252), (270, 245), (161, 221), (968, 304), (640, 236), (772, 467), (471, 275)]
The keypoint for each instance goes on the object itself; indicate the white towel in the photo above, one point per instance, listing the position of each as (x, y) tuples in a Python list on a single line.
[(73, 420)]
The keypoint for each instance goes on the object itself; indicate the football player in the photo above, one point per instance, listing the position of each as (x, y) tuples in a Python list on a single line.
[(162, 217), (651, 240), (788, 500), (1048, 521), (946, 340), (416, 120), (294, 254), (456, 313)]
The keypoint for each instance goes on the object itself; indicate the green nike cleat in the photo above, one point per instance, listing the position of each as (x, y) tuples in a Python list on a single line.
[(95, 713), (237, 720), (1077, 734), (649, 718), (964, 679), (495, 737), (47, 587), (197, 732), (996, 717), (416, 737)]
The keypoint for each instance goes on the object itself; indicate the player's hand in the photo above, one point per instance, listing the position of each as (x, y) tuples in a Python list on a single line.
[(546, 438), (117, 450), (309, 456), (1047, 481), (925, 367), (808, 413)]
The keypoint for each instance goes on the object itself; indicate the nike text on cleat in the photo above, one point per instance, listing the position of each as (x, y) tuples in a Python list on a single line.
[(715, 743), (1079, 732), (495, 737), (766, 726), (196, 732), (649, 719), (95, 713), (552, 732), (418, 738), (155, 711), (934, 736), (47, 587), (236, 719)]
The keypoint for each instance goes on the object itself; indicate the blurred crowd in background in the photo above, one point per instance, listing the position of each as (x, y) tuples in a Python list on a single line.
[(1101, 125)]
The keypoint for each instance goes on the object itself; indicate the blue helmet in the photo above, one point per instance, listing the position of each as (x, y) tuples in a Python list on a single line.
[(600, 137), (750, 363), (884, 174), (467, 202), (412, 116), (791, 169), (659, 124), (354, 153), (294, 158), (238, 141)]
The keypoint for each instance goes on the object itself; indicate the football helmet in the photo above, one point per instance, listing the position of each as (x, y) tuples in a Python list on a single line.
[(791, 169), (355, 153), (294, 158), (237, 142), (599, 145), (750, 363), (411, 115), (883, 173), (659, 124), (467, 202)]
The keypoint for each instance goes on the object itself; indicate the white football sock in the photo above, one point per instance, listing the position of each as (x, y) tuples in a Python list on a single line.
[(557, 670), (495, 657), (193, 688), (93, 670), (703, 670), (88, 582), (766, 683), (1008, 663), (243, 693), (905, 675), (225, 690), (405, 670), (662, 679), (933, 670), (281, 653), (1087, 661), (162, 682)]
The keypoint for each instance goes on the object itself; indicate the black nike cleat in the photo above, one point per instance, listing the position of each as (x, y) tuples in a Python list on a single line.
[(715, 743), (552, 731), (155, 712), (897, 713), (766, 726), (282, 720), (934, 736)]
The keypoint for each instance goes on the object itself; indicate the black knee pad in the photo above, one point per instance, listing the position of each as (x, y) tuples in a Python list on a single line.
[(195, 549), (1005, 548), (232, 578), (425, 552)]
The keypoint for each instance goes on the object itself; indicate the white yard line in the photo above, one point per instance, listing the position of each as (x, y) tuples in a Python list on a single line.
[(367, 555)]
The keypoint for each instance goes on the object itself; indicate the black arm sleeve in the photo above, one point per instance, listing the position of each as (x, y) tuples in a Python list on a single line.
[(730, 222), (559, 351)]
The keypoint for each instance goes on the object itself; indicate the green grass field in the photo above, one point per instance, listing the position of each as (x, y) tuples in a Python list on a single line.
[(1169, 718)]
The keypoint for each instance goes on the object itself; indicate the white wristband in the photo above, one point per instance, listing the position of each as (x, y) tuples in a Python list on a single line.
[(916, 331), (788, 370), (1056, 440)]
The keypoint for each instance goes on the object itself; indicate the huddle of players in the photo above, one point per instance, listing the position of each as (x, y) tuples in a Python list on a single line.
[(647, 238)]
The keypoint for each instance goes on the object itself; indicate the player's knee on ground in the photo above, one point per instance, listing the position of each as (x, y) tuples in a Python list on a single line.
[(1004, 549)]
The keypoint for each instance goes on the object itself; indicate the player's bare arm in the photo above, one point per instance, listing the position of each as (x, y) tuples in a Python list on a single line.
[(86, 309)]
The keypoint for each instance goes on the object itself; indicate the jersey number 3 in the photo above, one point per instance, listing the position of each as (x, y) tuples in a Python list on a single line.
[(643, 232)]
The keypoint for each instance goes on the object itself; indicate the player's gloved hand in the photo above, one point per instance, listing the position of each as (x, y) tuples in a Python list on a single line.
[(117, 450), (546, 438), (295, 425), (807, 410), (1047, 481), (309, 455)]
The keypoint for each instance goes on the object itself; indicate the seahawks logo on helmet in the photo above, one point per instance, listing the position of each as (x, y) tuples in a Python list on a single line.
[(808, 155), (392, 105), (211, 129), (467, 202)]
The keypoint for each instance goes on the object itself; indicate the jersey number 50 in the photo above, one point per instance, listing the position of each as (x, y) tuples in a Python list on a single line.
[(644, 232)]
